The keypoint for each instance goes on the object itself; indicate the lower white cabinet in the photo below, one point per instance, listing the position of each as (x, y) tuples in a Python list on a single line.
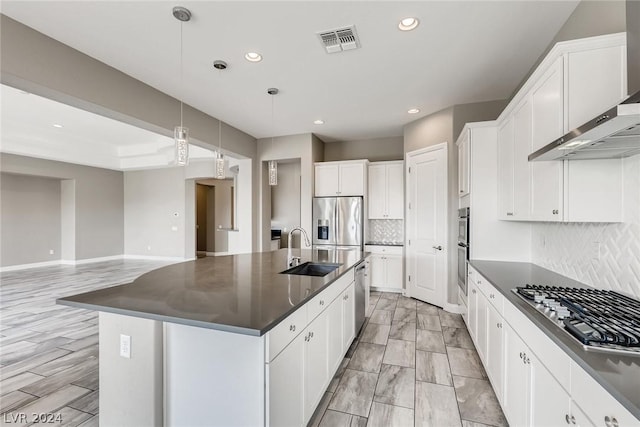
[(515, 402), (495, 346), (386, 267), (299, 375)]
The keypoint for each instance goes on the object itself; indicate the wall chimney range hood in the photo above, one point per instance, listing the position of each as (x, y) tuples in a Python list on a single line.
[(613, 134)]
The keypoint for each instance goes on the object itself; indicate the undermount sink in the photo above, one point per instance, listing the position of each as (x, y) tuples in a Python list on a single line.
[(312, 269)]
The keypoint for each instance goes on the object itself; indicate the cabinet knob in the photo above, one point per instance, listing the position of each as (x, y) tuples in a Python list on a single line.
[(521, 355), (292, 328), (567, 419), (321, 302), (310, 335), (509, 213)]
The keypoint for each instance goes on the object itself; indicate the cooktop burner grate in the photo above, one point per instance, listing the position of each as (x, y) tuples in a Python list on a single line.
[(601, 320)]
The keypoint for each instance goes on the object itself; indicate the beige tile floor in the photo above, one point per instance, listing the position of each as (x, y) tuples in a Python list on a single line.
[(413, 364)]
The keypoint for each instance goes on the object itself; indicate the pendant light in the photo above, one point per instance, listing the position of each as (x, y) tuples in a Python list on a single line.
[(220, 174), (181, 133), (273, 165)]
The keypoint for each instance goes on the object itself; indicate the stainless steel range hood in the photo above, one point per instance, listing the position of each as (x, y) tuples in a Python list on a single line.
[(613, 134)]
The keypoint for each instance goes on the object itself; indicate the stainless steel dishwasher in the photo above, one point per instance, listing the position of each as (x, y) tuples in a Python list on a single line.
[(360, 289)]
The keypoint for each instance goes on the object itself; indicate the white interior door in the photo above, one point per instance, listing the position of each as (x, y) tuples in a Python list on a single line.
[(426, 247)]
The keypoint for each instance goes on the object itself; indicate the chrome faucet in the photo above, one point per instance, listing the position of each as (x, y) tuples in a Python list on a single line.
[(295, 260)]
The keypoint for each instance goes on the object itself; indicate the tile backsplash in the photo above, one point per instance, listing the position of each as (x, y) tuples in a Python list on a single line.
[(386, 231), (614, 261)]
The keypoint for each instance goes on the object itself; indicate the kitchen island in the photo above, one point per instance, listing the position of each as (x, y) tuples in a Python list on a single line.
[(223, 340)]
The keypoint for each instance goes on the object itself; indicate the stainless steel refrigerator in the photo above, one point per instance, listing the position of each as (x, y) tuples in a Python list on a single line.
[(338, 222)]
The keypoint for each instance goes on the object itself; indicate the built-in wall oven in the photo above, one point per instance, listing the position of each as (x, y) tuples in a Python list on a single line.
[(463, 248)]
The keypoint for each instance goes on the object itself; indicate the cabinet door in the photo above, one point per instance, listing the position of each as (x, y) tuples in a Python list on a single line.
[(515, 396), (351, 179), (395, 191), (378, 271), (286, 385), (335, 333), (377, 192), (596, 83), (326, 180), (472, 310), (495, 349), (505, 170), (349, 318), (394, 271), (463, 166), (521, 165), (316, 363), (481, 338), (547, 123), (550, 404)]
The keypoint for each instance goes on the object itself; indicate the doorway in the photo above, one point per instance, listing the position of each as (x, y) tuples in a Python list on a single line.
[(215, 216), (426, 240)]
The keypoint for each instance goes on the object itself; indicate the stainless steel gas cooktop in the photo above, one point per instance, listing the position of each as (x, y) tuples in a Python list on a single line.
[(601, 320)]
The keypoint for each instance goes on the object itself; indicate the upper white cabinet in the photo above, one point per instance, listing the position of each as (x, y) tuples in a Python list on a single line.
[(386, 190), (547, 124), (463, 164), (346, 178), (578, 80)]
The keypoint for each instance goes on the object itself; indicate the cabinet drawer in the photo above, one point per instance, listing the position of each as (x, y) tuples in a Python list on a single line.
[(596, 402), (549, 354), (494, 297), (321, 301), (280, 336), (388, 250)]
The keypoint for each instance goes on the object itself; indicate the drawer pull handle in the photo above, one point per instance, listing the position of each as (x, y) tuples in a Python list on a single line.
[(521, 355), (321, 302), (292, 328)]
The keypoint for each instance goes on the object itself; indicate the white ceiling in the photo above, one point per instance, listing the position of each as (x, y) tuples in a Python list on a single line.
[(84, 138), (462, 52)]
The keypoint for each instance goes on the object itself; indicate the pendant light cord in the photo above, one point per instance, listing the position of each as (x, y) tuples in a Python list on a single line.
[(181, 73), (273, 123)]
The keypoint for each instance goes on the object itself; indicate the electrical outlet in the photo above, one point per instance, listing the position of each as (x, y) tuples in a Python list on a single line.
[(125, 346)]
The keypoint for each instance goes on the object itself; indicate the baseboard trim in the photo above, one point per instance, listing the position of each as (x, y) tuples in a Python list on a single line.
[(30, 265), (157, 258), (90, 260)]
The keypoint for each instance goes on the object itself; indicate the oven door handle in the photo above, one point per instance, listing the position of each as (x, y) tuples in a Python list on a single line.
[(463, 245)]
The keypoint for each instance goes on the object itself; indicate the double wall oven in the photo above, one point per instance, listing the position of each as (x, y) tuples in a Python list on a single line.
[(463, 248)]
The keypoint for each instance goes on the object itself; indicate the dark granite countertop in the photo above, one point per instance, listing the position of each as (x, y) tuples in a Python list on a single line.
[(618, 374), (237, 293)]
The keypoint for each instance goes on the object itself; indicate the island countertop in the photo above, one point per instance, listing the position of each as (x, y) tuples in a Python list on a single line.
[(244, 294)]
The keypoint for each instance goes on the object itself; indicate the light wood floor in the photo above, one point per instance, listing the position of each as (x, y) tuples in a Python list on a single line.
[(413, 364), (49, 352)]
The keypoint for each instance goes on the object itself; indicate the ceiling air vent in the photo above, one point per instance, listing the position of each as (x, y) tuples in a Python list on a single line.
[(340, 39)]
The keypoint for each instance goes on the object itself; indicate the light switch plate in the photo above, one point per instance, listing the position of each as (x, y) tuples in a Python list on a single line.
[(125, 346)]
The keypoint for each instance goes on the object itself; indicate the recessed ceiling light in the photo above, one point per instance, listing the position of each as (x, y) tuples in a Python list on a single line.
[(413, 111), (56, 125), (253, 57), (408, 24), (318, 122)]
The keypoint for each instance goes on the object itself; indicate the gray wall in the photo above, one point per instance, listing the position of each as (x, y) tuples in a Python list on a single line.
[(590, 18), (154, 212), (475, 112), (374, 150), (29, 219), (99, 202), (285, 200)]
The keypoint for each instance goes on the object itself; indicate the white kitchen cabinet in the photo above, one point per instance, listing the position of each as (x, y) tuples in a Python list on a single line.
[(464, 148), (516, 380), (495, 349), (481, 332), (547, 124), (550, 403), (346, 178), (585, 99), (316, 365), (386, 267), (472, 309), (286, 385), (521, 166), (386, 190), (598, 405), (335, 341), (505, 170), (349, 317)]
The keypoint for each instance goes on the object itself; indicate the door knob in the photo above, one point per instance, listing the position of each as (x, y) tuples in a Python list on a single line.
[(437, 247)]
